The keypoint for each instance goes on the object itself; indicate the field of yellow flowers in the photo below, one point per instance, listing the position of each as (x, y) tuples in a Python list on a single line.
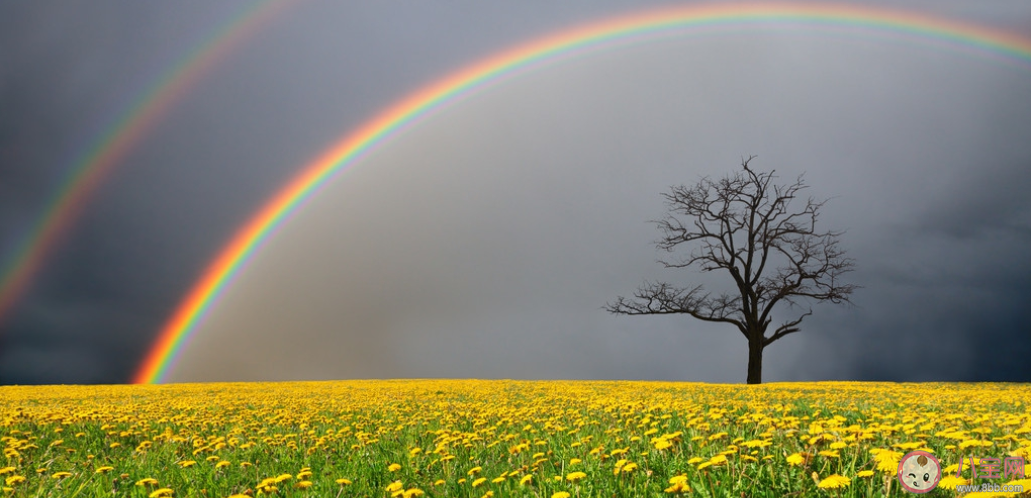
[(475, 439)]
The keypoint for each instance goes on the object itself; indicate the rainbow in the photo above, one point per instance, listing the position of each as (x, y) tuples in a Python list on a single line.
[(621, 30), (99, 160)]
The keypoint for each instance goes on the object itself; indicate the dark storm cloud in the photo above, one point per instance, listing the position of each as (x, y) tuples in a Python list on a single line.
[(954, 278), (950, 293), (484, 241), (945, 289)]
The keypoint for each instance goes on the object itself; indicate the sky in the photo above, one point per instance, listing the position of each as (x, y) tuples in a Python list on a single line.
[(484, 240)]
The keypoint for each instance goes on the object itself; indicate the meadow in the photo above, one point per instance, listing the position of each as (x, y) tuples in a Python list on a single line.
[(476, 439)]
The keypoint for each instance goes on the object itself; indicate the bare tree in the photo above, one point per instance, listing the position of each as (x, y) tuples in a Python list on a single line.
[(744, 225)]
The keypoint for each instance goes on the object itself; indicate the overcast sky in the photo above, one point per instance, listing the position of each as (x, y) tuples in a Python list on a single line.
[(485, 240)]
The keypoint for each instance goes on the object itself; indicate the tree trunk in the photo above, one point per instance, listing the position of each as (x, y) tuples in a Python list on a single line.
[(755, 361)]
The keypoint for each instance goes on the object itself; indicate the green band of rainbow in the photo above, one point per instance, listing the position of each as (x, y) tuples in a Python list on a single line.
[(99, 160), (619, 30)]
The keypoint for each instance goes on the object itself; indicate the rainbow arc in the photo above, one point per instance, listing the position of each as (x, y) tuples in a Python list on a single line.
[(874, 22)]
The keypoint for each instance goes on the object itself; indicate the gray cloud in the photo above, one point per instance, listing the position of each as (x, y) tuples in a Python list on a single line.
[(483, 241)]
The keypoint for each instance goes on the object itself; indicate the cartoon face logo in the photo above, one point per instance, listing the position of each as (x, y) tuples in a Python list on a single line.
[(919, 472)]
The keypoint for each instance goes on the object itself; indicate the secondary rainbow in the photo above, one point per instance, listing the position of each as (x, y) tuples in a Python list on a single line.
[(99, 160), (620, 30)]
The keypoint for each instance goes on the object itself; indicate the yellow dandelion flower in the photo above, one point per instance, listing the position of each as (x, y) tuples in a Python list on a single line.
[(304, 484), (394, 467), (478, 482), (11, 481), (619, 466), (527, 479), (488, 494), (344, 482), (718, 460), (103, 470), (560, 494), (439, 482), (161, 493), (409, 493), (695, 460), (575, 476), (888, 461), (574, 461), (187, 463), (395, 486), (223, 463), (834, 481), (829, 454), (864, 473), (7, 470), (630, 467), (61, 475), (148, 481), (283, 477), (887, 466), (951, 481), (678, 488), (704, 465)]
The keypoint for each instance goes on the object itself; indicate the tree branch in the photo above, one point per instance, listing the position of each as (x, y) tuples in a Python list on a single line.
[(663, 299), (785, 329)]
